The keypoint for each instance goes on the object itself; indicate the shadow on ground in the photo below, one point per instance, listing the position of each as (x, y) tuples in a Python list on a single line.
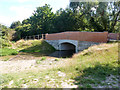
[(38, 50), (46, 52), (100, 75)]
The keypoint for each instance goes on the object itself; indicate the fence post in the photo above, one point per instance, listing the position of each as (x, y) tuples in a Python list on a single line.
[(26, 37), (29, 37), (42, 36), (118, 36), (38, 37), (33, 36)]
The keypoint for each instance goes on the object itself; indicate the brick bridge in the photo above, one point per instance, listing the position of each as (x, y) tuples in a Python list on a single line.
[(76, 40)]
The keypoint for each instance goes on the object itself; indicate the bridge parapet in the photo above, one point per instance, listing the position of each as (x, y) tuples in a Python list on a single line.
[(100, 37)]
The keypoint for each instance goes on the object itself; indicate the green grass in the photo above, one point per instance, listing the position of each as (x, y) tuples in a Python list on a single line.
[(85, 69), (40, 46), (6, 59), (35, 47), (43, 58), (56, 59), (7, 51), (39, 61)]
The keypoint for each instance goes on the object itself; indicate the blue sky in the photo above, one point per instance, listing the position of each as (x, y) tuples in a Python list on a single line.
[(14, 10)]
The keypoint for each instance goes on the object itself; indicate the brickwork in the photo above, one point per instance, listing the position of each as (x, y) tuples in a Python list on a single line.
[(100, 37), (114, 36)]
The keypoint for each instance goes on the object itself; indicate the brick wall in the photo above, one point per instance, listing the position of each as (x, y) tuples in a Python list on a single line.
[(113, 36), (81, 36)]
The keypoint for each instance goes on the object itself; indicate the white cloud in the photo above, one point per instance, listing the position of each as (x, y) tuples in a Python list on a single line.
[(18, 13), (21, 12), (25, 10), (4, 20), (22, 1)]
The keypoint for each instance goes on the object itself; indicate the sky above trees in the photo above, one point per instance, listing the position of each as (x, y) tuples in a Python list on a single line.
[(14, 10)]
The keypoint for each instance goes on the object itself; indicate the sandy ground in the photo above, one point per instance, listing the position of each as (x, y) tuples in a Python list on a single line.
[(15, 65), (21, 62)]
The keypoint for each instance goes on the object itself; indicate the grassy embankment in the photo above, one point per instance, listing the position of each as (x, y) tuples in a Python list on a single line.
[(94, 67), (30, 46), (4, 50)]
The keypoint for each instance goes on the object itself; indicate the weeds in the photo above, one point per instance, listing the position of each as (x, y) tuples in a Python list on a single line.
[(56, 59), (39, 61), (6, 59), (43, 58)]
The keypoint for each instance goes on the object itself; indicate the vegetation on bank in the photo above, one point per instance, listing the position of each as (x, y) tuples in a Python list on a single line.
[(32, 46), (29, 46), (7, 51), (94, 67)]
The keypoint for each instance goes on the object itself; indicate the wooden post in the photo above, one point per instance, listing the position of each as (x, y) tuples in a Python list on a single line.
[(38, 37), (42, 36), (26, 37), (29, 37), (118, 36), (33, 36)]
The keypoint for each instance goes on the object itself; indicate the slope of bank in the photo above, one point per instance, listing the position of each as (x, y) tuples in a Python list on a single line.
[(29, 46)]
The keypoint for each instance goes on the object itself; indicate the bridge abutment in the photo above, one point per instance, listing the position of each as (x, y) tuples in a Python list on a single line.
[(71, 44)]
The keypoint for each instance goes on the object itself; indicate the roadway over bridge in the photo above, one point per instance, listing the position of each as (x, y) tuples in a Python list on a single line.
[(76, 40)]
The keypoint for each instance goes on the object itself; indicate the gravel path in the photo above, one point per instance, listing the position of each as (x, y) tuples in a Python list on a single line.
[(15, 66), (24, 65)]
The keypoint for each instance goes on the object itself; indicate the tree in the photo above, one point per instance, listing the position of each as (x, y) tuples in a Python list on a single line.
[(102, 16), (67, 20), (6, 33), (114, 15), (15, 24), (23, 30), (26, 21), (41, 21)]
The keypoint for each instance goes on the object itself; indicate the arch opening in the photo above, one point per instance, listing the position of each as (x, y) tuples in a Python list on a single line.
[(65, 49), (67, 46)]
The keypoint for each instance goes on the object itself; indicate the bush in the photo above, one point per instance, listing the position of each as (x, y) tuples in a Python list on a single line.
[(5, 43)]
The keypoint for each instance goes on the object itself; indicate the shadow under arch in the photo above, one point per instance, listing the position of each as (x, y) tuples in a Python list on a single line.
[(67, 46), (66, 49)]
